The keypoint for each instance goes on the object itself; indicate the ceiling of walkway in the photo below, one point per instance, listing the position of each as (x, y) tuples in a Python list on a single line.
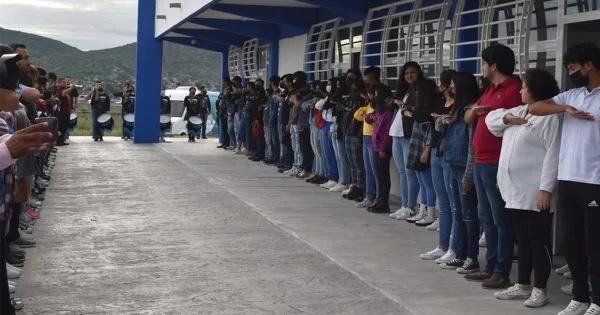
[(222, 23)]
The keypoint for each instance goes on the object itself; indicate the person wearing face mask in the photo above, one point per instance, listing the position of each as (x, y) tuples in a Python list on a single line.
[(100, 104), (204, 109), (579, 172), (441, 172), (327, 139)]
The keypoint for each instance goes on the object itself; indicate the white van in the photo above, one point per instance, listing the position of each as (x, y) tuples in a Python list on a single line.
[(178, 125)]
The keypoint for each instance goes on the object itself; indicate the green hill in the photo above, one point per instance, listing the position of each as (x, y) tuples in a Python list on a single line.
[(115, 66)]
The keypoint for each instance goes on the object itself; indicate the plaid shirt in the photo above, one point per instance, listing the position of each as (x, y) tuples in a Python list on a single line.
[(7, 175), (421, 137)]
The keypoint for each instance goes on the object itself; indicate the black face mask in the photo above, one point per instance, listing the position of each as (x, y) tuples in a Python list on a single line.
[(100, 90), (579, 80)]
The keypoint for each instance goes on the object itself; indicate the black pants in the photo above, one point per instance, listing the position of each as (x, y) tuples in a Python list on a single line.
[(5, 304), (580, 203), (383, 170), (63, 125), (225, 131), (534, 231), (308, 155), (13, 229)]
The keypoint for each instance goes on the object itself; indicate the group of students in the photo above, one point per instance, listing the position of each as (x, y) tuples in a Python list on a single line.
[(501, 153), (26, 158)]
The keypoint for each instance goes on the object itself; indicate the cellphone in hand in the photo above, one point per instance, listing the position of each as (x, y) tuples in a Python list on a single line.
[(52, 127)]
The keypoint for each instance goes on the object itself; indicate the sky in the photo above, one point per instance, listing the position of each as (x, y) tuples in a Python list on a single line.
[(85, 24)]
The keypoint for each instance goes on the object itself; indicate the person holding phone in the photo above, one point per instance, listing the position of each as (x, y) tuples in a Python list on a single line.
[(503, 92)]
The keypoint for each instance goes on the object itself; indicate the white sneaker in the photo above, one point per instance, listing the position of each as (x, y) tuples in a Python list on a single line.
[(339, 187), (397, 213), (290, 171), (294, 172), (512, 293), (419, 215), (434, 254), (482, 240), (434, 226), (448, 257), (562, 270), (567, 289), (593, 310), (537, 299), (428, 219), (365, 203), (410, 212), (568, 275), (330, 184), (13, 272), (12, 288), (34, 203), (575, 308)]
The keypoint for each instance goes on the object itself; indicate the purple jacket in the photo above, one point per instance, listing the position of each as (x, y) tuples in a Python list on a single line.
[(381, 121)]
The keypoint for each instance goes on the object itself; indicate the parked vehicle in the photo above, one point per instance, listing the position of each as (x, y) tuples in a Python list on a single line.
[(178, 125)]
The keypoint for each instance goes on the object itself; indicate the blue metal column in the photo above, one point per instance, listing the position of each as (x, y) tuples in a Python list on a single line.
[(468, 35), (273, 59), (148, 76)]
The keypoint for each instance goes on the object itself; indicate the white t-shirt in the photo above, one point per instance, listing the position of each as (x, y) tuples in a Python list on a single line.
[(580, 143)]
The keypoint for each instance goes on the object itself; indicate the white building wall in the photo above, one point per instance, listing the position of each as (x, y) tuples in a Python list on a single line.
[(175, 15), (291, 54)]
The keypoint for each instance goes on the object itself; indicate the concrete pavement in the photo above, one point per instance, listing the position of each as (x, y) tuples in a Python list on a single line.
[(180, 228)]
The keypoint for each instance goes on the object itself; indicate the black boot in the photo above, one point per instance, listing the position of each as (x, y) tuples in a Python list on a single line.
[(354, 191), (380, 206)]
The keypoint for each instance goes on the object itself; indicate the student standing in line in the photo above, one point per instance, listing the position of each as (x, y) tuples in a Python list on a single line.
[(503, 92), (527, 176), (579, 172), (401, 130)]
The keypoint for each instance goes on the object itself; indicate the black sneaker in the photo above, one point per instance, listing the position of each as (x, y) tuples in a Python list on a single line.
[(453, 264), (470, 266)]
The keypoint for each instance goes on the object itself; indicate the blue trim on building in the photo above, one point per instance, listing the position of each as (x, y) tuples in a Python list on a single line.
[(468, 35), (148, 76), (177, 25), (217, 36), (273, 59)]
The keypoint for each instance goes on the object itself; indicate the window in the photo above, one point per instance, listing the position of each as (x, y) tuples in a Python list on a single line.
[(319, 50), (263, 61), (347, 43), (543, 35), (580, 6), (234, 61), (407, 31), (249, 58)]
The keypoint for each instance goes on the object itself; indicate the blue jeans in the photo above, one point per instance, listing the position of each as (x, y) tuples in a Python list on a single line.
[(465, 234), (315, 142), (372, 178), (427, 191), (409, 185), (275, 145), (440, 173), (204, 118), (497, 221), (342, 161), (296, 147), (286, 153), (329, 153)]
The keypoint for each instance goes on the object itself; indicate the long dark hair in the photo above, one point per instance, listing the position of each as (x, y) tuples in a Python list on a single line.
[(402, 87), (467, 91), (427, 95), (333, 82)]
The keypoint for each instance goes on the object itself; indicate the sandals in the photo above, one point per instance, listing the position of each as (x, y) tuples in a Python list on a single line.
[(17, 303)]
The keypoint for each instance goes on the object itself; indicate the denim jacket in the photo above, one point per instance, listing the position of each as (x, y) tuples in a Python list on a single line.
[(458, 149)]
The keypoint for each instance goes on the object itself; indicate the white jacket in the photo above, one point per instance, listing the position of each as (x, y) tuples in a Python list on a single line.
[(529, 156)]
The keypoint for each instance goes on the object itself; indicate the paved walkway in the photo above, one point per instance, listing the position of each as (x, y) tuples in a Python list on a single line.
[(182, 228)]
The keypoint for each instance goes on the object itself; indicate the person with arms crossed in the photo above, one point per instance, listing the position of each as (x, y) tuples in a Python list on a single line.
[(579, 172)]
